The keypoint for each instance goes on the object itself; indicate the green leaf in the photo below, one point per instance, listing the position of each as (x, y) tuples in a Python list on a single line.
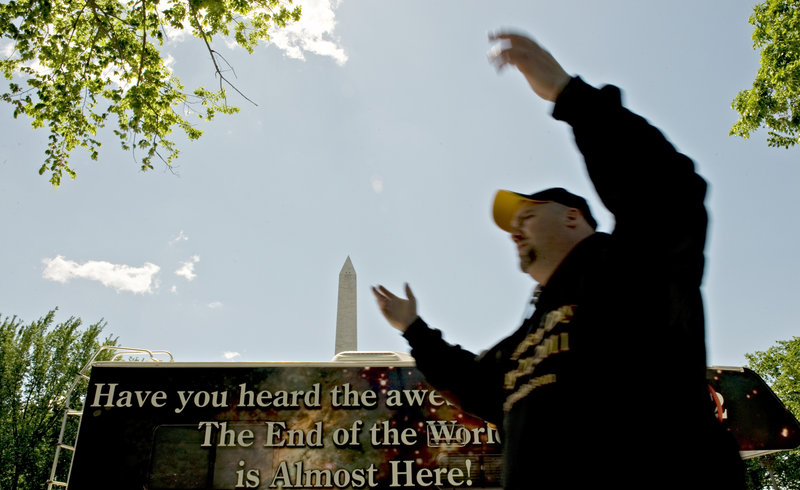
[(773, 102), (104, 58)]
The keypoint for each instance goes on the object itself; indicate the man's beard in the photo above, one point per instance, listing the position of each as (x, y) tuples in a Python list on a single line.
[(526, 259)]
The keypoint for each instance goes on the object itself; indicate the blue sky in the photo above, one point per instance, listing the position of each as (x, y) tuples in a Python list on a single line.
[(382, 132)]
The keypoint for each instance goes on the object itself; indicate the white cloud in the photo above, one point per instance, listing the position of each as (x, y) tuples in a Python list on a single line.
[(314, 33), (173, 289), (230, 355), (118, 276), (173, 34), (215, 304), (180, 237), (377, 184), (6, 48), (186, 269)]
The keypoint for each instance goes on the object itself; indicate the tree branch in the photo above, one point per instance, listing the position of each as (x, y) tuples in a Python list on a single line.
[(213, 54), (144, 42)]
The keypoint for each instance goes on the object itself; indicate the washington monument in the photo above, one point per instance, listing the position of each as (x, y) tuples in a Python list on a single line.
[(346, 331)]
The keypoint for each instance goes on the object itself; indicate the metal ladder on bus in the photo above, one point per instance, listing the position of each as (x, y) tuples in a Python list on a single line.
[(69, 411)]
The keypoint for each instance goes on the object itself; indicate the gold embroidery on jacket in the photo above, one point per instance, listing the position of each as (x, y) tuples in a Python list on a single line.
[(552, 344), (553, 318), (525, 389), (544, 346)]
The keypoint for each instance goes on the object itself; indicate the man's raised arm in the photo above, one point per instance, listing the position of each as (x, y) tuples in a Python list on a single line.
[(652, 189)]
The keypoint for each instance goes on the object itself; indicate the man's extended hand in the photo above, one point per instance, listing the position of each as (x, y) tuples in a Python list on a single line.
[(398, 311), (544, 74)]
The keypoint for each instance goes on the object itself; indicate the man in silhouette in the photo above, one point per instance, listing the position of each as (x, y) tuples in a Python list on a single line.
[(603, 386)]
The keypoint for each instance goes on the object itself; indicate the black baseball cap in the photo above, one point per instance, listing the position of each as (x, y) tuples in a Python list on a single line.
[(507, 203)]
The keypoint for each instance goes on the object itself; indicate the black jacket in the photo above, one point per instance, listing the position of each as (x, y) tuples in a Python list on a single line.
[(605, 383)]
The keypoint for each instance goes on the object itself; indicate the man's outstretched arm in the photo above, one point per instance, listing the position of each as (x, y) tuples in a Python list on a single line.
[(475, 383)]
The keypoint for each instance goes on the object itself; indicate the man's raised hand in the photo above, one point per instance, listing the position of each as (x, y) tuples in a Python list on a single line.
[(398, 311), (545, 76)]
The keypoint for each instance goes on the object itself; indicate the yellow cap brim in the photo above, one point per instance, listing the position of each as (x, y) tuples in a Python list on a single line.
[(506, 205)]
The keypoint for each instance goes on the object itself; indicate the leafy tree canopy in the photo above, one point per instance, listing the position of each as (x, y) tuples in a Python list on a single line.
[(779, 366), (38, 364), (74, 64), (774, 100)]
